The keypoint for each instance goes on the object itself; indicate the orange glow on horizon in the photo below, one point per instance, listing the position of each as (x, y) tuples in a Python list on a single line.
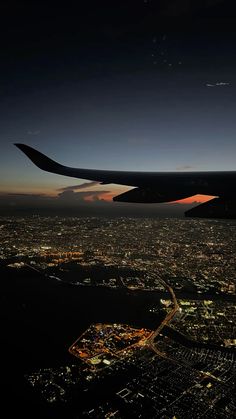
[(108, 196), (196, 198), (190, 200), (100, 195)]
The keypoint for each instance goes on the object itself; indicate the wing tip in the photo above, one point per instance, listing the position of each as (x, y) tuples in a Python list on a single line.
[(25, 148), (18, 144), (38, 158)]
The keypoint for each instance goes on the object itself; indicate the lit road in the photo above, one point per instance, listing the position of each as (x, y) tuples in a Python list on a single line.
[(150, 340)]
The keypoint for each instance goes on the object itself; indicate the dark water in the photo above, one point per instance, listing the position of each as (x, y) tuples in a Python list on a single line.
[(42, 318)]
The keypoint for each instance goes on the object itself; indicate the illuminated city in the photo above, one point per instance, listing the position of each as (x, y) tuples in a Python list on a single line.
[(147, 315), (195, 255)]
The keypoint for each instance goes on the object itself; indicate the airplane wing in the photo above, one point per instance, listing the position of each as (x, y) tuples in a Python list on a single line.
[(102, 176), (149, 187)]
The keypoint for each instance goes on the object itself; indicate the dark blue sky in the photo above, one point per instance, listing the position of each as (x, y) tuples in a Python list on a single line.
[(144, 86)]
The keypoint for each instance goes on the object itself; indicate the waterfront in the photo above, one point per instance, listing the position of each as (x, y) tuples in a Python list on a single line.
[(52, 294)]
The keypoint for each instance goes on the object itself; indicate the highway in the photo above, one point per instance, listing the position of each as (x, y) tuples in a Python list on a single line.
[(150, 340)]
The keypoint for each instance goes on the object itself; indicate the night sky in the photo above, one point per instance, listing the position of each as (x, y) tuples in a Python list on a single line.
[(126, 85)]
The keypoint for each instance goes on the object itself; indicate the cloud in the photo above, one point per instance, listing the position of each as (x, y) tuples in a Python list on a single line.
[(78, 187), (222, 83), (65, 198), (184, 167), (85, 203), (218, 84), (70, 196)]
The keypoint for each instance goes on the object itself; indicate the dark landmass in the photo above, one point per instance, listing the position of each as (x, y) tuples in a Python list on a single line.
[(19, 206)]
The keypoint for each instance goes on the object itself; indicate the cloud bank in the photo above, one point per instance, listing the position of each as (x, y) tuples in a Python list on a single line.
[(78, 187), (84, 203)]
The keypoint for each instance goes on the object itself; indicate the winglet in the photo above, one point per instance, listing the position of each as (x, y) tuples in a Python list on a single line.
[(39, 159)]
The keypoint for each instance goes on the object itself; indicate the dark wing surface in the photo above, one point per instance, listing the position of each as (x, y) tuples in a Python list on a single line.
[(103, 176), (149, 186)]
